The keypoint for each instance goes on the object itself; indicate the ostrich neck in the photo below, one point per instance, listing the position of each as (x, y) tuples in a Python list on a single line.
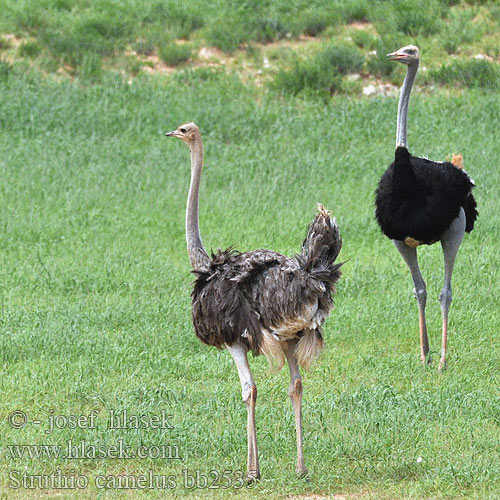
[(197, 254), (404, 100)]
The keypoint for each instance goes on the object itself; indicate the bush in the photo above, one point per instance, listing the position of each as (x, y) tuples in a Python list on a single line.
[(355, 10), (462, 29), (344, 58), (4, 43), (322, 73), (314, 22), (175, 54), (308, 76), (181, 19), (378, 64), (5, 70), (143, 47), (29, 49), (411, 17), (227, 35), (364, 39), (94, 36), (30, 18), (90, 68), (473, 74), (266, 30)]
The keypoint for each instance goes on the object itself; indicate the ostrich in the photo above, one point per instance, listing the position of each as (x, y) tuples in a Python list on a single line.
[(419, 201), (261, 301)]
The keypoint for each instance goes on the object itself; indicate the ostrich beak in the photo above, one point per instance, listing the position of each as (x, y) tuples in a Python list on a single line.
[(170, 134), (394, 56)]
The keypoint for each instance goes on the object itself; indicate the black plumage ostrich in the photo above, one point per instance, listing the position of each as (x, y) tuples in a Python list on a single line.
[(419, 201), (261, 301)]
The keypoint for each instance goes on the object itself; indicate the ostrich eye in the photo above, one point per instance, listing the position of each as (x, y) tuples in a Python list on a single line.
[(183, 130), (411, 51)]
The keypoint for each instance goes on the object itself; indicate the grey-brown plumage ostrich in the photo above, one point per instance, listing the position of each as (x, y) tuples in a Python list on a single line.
[(419, 201), (261, 301)]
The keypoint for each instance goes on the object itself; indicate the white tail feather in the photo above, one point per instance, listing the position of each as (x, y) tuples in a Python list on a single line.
[(308, 348)]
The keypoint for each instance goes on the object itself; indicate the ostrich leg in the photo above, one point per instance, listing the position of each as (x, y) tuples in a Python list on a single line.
[(295, 393), (410, 256), (249, 394), (450, 241)]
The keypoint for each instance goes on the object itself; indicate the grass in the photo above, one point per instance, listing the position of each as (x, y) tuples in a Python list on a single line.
[(70, 37), (474, 73), (321, 73), (175, 54), (95, 283)]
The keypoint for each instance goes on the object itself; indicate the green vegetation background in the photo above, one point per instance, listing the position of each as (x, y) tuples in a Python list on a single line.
[(95, 281)]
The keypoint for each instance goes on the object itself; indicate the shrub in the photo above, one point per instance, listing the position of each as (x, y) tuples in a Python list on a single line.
[(344, 58), (308, 76), (355, 10), (29, 49), (323, 73), (30, 18), (227, 34), (90, 68), (378, 64), (411, 17), (94, 36), (462, 29), (473, 73), (5, 70), (143, 47), (364, 39), (314, 22), (175, 54), (4, 43), (182, 19), (266, 30)]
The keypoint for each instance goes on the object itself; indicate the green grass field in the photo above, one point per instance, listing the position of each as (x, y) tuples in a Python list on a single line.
[(95, 286), (95, 281)]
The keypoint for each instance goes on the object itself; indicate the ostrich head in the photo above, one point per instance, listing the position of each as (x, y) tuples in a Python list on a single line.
[(407, 55), (188, 133)]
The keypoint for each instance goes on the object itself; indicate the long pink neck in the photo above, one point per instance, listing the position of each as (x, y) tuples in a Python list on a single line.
[(197, 254)]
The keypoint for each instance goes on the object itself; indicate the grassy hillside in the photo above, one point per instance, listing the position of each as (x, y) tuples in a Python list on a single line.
[(95, 287), (94, 277), (257, 40)]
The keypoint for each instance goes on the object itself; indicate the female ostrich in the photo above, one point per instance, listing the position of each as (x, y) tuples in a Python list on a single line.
[(261, 301), (419, 201)]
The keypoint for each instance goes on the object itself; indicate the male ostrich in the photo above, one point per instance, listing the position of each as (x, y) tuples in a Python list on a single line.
[(261, 301), (419, 201)]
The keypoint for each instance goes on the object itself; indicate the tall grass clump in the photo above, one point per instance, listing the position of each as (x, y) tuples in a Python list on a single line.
[(313, 21), (344, 58), (101, 36), (268, 29), (29, 49), (90, 69), (323, 73), (355, 10), (461, 29), (27, 17), (179, 18), (473, 74), (411, 17), (364, 39), (5, 70), (175, 54), (227, 34), (378, 63)]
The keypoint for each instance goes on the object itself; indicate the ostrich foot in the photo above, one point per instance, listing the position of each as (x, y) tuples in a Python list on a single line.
[(426, 360), (442, 365), (252, 476), (301, 471)]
